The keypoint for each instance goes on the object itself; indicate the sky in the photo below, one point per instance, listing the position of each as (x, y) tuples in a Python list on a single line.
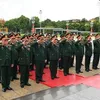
[(52, 9)]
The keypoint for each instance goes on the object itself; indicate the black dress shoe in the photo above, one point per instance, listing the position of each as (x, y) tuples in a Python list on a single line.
[(65, 74), (87, 70), (80, 71), (56, 77), (37, 82), (22, 86), (12, 79), (69, 74), (97, 68), (52, 78), (9, 88), (42, 80), (4, 90), (28, 84), (77, 72), (16, 78)]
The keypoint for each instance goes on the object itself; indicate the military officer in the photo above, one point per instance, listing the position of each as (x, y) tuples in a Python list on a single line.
[(96, 57), (14, 57), (31, 41), (79, 52), (66, 54), (60, 48), (24, 61), (5, 63), (88, 53), (73, 50), (40, 58), (54, 56)]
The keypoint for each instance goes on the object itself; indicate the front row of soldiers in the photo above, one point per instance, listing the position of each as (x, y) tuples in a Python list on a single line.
[(38, 50)]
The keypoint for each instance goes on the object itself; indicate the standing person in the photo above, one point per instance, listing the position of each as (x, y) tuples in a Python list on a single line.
[(96, 57), (73, 50), (60, 48), (24, 61), (18, 42), (40, 57), (66, 54), (79, 53), (5, 63), (31, 41), (88, 53), (14, 57), (53, 50)]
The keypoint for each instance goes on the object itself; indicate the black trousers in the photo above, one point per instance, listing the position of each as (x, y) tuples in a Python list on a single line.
[(66, 64), (96, 60), (5, 76), (53, 68), (61, 63), (72, 61), (39, 69), (87, 62), (78, 63), (24, 71), (14, 70), (33, 63), (0, 74)]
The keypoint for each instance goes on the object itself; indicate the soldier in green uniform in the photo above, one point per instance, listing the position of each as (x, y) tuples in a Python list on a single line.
[(5, 63), (66, 54), (40, 58), (79, 52), (60, 48), (24, 61), (96, 57), (31, 41), (18, 42), (88, 53), (54, 55), (14, 57), (73, 50)]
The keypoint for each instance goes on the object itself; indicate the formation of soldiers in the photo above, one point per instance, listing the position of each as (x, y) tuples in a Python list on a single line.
[(22, 53)]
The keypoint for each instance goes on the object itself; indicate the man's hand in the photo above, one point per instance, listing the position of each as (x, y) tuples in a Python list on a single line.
[(12, 65), (45, 61)]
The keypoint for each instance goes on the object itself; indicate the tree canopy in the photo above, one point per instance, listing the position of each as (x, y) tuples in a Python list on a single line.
[(24, 24)]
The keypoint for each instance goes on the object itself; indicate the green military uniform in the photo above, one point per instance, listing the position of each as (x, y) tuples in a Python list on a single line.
[(40, 57), (24, 61), (5, 64), (88, 54), (73, 54), (14, 61), (66, 53), (96, 53), (33, 61), (79, 52), (54, 55)]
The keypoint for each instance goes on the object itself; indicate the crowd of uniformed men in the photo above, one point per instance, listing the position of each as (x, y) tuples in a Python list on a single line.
[(23, 53)]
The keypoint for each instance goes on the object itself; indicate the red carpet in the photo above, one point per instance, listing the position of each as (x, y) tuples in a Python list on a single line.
[(93, 81), (63, 80)]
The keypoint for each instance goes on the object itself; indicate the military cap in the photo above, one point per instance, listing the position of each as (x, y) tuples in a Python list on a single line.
[(11, 35), (24, 36), (97, 35), (39, 36), (18, 35), (5, 37), (79, 36), (62, 35)]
